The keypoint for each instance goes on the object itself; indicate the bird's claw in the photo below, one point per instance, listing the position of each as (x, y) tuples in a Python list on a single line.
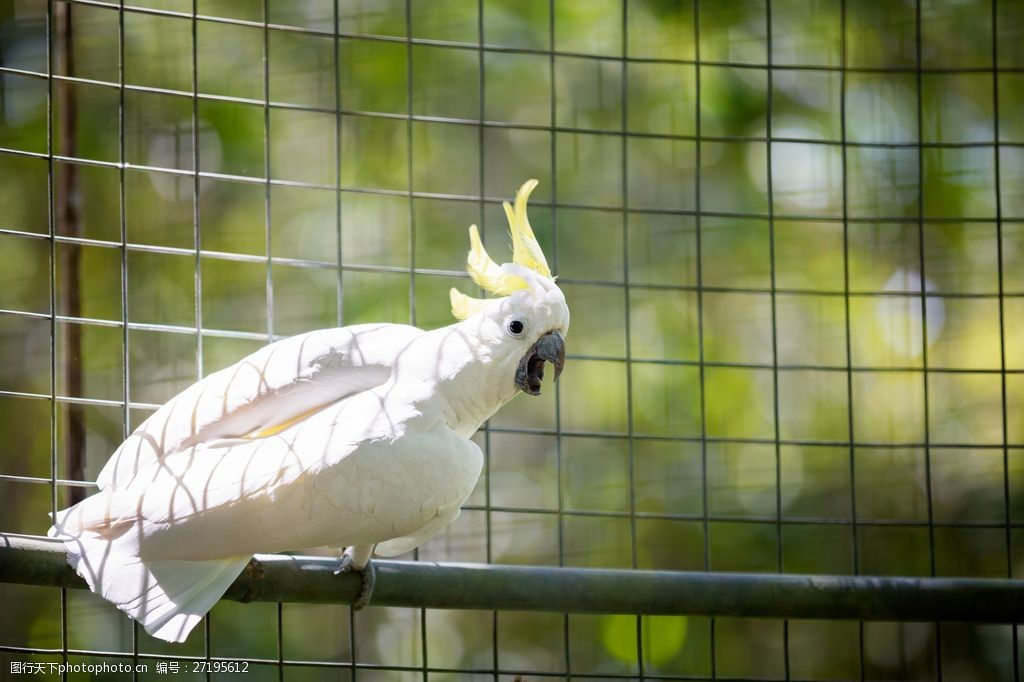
[(369, 575), (369, 581), (345, 565)]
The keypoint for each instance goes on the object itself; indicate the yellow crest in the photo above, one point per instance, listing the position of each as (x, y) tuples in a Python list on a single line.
[(487, 274), (525, 249), (464, 306)]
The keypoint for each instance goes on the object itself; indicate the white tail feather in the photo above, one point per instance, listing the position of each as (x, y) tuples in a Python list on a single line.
[(167, 597)]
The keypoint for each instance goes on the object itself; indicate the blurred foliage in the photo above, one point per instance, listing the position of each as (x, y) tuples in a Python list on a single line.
[(630, 431)]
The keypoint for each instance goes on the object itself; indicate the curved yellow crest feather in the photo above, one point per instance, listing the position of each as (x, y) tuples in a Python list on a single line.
[(464, 306), (487, 274), (525, 249)]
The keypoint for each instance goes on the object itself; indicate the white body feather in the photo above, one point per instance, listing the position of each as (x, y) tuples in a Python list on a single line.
[(188, 499)]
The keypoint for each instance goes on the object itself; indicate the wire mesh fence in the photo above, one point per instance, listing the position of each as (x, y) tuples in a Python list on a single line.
[(791, 234)]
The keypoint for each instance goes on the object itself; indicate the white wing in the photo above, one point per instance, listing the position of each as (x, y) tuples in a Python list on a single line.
[(360, 471), (165, 552), (262, 394), (233, 466)]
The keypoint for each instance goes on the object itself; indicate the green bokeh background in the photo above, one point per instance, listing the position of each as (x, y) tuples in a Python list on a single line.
[(629, 136)]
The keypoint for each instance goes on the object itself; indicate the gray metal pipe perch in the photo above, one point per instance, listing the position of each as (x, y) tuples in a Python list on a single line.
[(272, 578)]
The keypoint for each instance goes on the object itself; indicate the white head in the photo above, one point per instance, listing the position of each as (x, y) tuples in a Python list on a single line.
[(526, 326)]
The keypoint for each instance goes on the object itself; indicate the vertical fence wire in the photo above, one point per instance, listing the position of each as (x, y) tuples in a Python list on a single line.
[(1000, 264), (922, 276), (52, 232), (339, 247), (847, 326), (701, 376), (630, 426), (410, 180), (267, 174), (481, 82), (553, 217), (776, 422)]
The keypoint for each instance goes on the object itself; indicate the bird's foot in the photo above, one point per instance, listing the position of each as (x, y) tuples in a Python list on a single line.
[(369, 575)]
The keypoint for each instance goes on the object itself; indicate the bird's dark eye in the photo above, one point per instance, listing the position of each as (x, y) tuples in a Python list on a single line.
[(515, 325)]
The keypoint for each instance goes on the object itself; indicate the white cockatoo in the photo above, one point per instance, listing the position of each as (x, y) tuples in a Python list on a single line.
[(356, 437)]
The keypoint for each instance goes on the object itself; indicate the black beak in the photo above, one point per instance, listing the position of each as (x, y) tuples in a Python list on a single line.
[(549, 348)]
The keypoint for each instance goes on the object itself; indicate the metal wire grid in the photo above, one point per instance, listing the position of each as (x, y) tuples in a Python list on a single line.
[(482, 201)]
